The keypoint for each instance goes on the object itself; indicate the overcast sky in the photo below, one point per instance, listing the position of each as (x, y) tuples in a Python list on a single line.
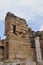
[(31, 10)]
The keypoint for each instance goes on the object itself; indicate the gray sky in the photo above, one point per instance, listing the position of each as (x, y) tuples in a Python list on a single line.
[(31, 10)]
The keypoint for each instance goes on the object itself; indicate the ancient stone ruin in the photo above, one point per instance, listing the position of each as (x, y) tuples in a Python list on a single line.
[(22, 45)]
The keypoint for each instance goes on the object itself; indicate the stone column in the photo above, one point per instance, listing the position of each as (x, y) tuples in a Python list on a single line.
[(38, 50)]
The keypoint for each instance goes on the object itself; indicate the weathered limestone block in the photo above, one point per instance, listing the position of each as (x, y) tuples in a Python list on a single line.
[(39, 63), (30, 63), (1, 63)]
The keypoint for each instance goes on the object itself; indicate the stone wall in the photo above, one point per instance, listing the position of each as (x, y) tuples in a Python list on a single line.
[(17, 36)]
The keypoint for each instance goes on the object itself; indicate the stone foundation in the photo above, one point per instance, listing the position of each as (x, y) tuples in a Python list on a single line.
[(16, 63), (21, 63)]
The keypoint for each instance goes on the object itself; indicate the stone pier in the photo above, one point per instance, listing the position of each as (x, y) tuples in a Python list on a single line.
[(38, 50)]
